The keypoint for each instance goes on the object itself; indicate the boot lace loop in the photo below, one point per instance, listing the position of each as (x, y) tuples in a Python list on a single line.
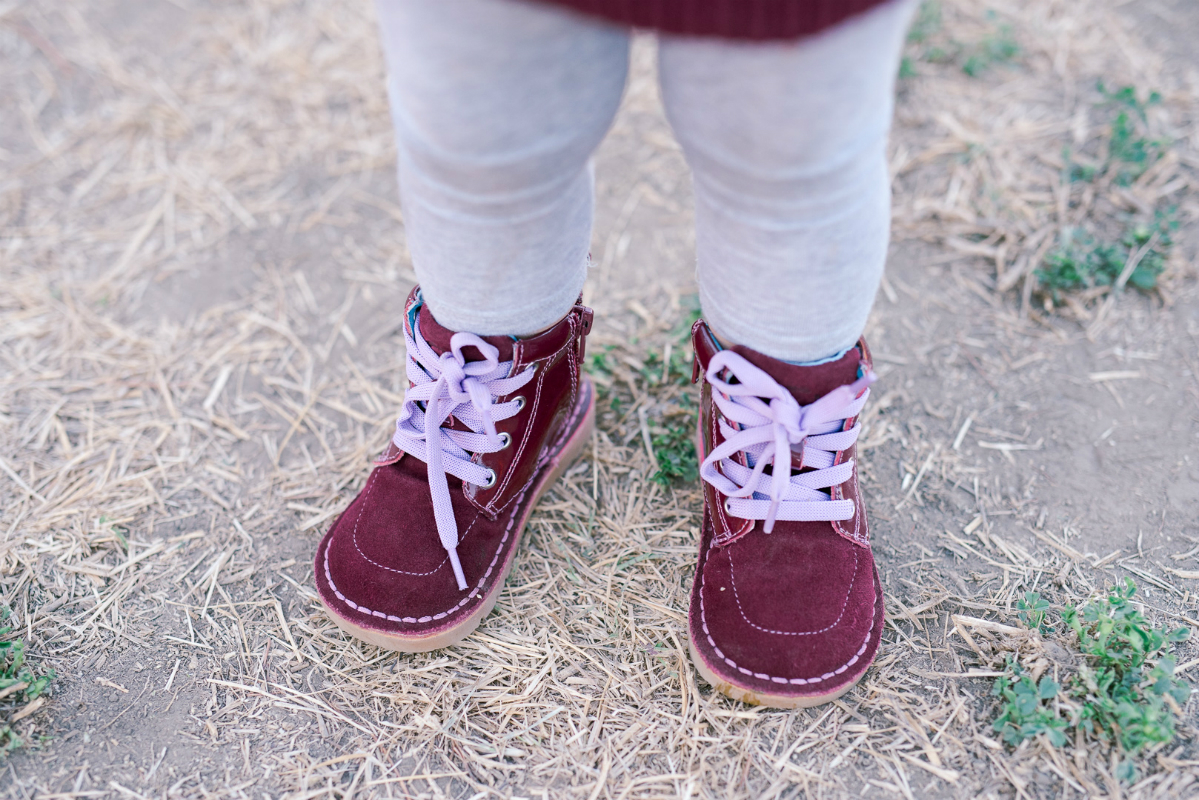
[(763, 422), (447, 386)]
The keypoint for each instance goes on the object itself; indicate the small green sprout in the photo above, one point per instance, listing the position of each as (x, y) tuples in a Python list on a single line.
[(1025, 710), (15, 671), (998, 47), (1033, 609)]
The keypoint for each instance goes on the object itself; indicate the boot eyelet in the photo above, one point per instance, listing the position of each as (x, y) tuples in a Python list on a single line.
[(490, 479), (728, 506), (520, 403), (505, 440)]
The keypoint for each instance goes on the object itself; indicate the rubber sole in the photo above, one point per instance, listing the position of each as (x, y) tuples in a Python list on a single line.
[(559, 462), (756, 698), (750, 697)]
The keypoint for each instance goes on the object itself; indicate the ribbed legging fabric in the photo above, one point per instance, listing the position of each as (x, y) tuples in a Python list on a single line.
[(498, 106)]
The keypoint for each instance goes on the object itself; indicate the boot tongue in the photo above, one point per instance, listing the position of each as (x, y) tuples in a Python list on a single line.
[(439, 337), (807, 384)]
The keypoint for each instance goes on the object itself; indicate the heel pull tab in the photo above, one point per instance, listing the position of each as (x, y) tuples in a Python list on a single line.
[(586, 317), (697, 369)]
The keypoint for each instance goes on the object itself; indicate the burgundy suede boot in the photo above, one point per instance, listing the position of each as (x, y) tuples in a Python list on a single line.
[(786, 606), (488, 424)]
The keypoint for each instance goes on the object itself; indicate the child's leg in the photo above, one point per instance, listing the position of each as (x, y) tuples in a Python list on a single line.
[(498, 106), (787, 143), (787, 146)]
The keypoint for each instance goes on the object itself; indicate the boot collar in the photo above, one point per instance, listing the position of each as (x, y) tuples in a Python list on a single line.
[(521, 351), (806, 384)]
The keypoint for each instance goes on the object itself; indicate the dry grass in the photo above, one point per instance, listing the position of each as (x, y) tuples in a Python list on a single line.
[(983, 165), (170, 460)]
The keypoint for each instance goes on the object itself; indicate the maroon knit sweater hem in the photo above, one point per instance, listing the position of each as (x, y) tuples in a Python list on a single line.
[(731, 19)]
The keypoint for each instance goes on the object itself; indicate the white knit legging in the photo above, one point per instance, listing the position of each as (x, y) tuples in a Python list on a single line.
[(499, 104)]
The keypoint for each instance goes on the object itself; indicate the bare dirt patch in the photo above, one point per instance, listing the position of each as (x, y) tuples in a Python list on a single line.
[(203, 265)]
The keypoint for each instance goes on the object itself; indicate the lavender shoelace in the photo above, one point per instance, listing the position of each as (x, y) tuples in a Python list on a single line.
[(772, 429), (448, 386)]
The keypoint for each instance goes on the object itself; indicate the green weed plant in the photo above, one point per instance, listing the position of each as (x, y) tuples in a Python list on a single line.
[(691, 313), (658, 372), (926, 22), (1130, 150), (673, 439), (600, 361), (1123, 692), (16, 672), (1082, 262), (925, 25), (997, 47), (674, 446), (1025, 707), (927, 43)]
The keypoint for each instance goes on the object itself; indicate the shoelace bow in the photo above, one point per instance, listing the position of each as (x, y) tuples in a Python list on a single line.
[(448, 386), (774, 430)]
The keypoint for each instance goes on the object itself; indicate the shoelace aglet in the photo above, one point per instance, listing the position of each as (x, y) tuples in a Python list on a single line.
[(457, 565), (770, 516)]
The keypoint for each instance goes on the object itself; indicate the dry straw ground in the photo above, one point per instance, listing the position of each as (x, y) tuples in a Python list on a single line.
[(202, 261)]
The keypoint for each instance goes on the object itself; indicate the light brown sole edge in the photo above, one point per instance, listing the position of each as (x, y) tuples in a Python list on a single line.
[(750, 697), (450, 636)]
